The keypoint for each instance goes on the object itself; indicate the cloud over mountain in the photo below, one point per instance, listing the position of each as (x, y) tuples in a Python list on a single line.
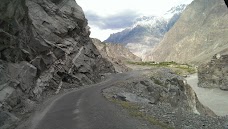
[(115, 21)]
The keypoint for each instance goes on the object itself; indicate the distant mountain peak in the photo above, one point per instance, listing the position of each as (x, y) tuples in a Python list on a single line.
[(148, 21), (200, 33), (151, 20), (179, 8), (175, 10), (147, 31)]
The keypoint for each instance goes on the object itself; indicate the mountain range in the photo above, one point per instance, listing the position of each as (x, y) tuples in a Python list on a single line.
[(147, 31), (200, 33)]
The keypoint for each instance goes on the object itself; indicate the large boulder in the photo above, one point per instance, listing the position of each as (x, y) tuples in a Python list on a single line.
[(214, 73), (44, 43)]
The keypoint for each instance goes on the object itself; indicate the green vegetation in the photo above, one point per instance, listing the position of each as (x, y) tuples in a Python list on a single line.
[(179, 69), (152, 63), (134, 110)]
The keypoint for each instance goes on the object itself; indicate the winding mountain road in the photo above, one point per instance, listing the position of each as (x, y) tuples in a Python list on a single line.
[(87, 109), (215, 99)]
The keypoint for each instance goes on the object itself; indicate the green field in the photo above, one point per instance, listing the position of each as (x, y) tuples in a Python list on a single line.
[(181, 69)]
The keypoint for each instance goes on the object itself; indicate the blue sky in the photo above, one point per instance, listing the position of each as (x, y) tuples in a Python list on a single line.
[(110, 16)]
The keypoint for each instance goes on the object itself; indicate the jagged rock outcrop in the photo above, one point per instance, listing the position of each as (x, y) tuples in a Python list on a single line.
[(44, 43), (163, 87), (200, 33), (167, 98), (116, 53), (215, 73)]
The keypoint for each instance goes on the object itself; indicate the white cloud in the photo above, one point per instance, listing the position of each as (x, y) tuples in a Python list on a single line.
[(107, 8), (117, 21), (102, 34), (146, 7)]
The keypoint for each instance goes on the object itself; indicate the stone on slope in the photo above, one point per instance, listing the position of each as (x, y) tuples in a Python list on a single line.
[(125, 96)]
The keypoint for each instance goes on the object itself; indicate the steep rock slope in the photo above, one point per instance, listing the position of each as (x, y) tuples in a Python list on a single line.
[(214, 73), (115, 53), (147, 31), (200, 33), (43, 45)]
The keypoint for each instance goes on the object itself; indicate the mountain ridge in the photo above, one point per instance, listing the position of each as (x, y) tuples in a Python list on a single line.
[(147, 31), (200, 33)]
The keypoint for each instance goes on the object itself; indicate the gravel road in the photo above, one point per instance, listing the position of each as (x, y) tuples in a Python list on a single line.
[(86, 109)]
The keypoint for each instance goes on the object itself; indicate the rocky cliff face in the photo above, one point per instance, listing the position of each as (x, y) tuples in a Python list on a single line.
[(44, 44), (200, 33), (215, 73), (116, 53)]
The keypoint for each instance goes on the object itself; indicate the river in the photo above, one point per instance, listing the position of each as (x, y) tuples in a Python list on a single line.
[(215, 99)]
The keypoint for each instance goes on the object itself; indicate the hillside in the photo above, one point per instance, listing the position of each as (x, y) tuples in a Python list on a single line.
[(117, 54), (200, 33)]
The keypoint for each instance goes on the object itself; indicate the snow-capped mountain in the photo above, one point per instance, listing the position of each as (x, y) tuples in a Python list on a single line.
[(147, 31), (148, 21), (154, 21), (174, 10), (151, 21), (200, 33)]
